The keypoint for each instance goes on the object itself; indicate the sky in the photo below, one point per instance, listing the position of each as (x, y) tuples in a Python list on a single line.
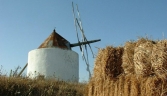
[(25, 24)]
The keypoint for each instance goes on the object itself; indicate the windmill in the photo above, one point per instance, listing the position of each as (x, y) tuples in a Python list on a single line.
[(83, 47), (50, 57)]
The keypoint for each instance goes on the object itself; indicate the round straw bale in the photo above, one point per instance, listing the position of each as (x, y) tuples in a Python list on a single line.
[(111, 87), (159, 57), (142, 82), (142, 57), (121, 82), (97, 86), (116, 88), (134, 88), (98, 68), (127, 58), (108, 62), (108, 87), (127, 85), (141, 41), (153, 86), (91, 87), (113, 61)]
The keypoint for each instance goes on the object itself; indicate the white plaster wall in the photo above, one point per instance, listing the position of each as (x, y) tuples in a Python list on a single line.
[(53, 63)]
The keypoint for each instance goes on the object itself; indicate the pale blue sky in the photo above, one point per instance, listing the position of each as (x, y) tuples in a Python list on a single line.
[(25, 24)]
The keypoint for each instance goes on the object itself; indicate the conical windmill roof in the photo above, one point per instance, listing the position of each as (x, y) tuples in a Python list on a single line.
[(55, 40)]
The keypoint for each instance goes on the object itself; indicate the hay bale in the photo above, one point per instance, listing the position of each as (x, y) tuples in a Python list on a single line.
[(159, 58), (127, 58), (107, 68), (99, 66), (98, 83), (113, 62), (127, 84), (99, 73), (91, 88), (111, 91), (108, 62), (134, 88), (142, 57), (116, 88), (101, 87), (108, 88), (153, 86), (121, 80), (139, 60)]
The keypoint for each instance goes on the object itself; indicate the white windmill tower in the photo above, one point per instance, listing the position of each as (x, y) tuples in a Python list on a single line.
[(55, 59)]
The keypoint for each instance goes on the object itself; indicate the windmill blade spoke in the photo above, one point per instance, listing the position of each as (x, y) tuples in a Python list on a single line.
[(87, 54), (75, 20), (79, 16), (82, 32), (83, 47), (84, 37), (87, 61), (90, 47), (82, 50), (77, 31), (79, 25), (91, 50), (87, 64)]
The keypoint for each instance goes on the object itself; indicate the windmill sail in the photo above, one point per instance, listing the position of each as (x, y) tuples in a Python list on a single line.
[(78, 24), (82, 31)]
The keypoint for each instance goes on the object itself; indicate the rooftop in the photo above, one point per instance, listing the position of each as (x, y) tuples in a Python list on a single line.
[(55, 41)]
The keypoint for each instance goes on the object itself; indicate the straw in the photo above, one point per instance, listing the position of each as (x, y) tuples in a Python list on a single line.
[(142, 57), (159, 58), (137, 69), (128, 55)]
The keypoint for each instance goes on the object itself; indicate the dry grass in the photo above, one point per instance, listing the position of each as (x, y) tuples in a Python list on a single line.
[(12, 86)]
